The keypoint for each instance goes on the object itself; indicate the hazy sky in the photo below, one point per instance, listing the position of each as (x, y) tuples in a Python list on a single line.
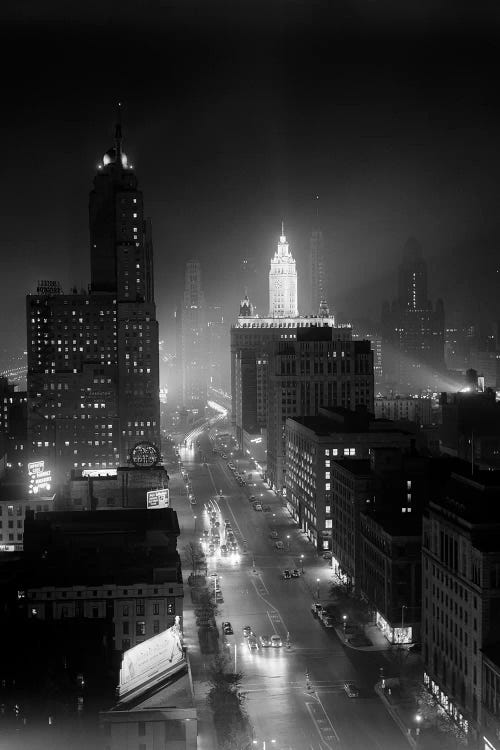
[(236, 116)]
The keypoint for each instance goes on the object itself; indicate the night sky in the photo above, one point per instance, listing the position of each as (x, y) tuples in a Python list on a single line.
[(235, 116)]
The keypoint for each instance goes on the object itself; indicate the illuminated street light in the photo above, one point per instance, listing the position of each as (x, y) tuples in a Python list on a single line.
[(195, 523), (344, 618), (418, 719), (302, 563), (288, 541), (317, 588)]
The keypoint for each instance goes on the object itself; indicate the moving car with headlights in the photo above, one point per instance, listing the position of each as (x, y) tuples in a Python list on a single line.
[(276, 641), (265, 641), (247, 631), (227, 628)]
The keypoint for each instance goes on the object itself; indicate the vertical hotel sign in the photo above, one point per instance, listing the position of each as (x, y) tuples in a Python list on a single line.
[(40, 478)]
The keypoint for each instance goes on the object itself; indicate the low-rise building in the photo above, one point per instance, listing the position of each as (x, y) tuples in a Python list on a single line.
[(411, 409), (121, 567)]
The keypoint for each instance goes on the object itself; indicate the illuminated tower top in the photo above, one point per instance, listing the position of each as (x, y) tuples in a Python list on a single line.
[(283, 282)]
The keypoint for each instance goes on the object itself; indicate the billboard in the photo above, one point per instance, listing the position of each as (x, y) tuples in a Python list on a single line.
[(158, 499), (152, 660)]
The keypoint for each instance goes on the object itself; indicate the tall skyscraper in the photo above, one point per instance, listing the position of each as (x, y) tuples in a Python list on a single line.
[(412, 330), (283, 282), (93, 381), (193, 354)]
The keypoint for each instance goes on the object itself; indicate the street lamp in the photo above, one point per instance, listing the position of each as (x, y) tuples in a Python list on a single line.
[(418, 720), (317, 589), (302, 563), (288, 542), (344, 619), (194, 524)]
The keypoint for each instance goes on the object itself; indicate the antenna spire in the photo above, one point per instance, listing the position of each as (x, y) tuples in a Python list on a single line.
[(282, 227), (118, 131)]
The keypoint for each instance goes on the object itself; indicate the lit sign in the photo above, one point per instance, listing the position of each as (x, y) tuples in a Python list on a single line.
[(151, 661), (145, 455), (40, 477), (99, 473), (158, 499)]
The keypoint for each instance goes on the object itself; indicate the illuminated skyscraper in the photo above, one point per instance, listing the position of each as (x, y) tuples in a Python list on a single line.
[(283, 282), (93, 390)]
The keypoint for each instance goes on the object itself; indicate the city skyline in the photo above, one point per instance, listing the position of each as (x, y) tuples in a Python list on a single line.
[(392, 150)]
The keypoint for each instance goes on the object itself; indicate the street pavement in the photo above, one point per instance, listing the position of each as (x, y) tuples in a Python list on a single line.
[(294, 696)]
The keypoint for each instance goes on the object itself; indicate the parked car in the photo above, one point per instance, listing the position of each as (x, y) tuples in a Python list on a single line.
[(325, 619), (252, 498), (316, 608), (257, 506), (227, 628), (295, 573), (223, 550), (286, 575), (327, 555), (276, 641), (265, 641), (279, 546), (351, 689), (273, 534)]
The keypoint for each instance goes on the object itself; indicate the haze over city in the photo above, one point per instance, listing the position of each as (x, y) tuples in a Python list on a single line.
[(250, 376)]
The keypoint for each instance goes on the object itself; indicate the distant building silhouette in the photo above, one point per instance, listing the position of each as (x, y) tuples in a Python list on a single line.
[(193, 354), (412, 330)]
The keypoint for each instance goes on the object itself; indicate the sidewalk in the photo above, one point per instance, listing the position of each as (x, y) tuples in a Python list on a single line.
[(199, 662)]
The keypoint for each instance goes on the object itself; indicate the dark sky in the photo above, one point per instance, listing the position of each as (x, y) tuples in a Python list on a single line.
[(238, 114)]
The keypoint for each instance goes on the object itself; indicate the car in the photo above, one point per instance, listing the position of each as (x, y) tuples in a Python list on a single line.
[(295, 573), (218, 597), (205, 532), (264, 641), (325, 620), (227, 628), (327, 555), (242, 484), (286, 575), (257, 506), (351, 689), (211, 549), (273, 534), (223, 550), (252, 498), (252, 643), (279, 546), (247, 631), (276, 641), (230, 465), (192, 500), (223, 455), (316, 608), (230, 538)]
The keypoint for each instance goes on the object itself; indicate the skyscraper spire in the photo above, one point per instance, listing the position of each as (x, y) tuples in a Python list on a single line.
[(282, 228), (118, 132)]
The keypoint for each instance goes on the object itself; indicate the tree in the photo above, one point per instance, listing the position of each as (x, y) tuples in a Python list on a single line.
[(195, 557), (226, 701)]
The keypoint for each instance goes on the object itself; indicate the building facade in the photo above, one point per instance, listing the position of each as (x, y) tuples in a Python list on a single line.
[(461, 593), (319, 366), (93, 381), (313, 445), (418, 410)]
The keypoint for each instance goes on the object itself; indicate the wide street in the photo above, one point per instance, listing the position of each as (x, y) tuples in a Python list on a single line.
[(295, 696)]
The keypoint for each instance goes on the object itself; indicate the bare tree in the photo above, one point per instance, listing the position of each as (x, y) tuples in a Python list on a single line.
[(194, 557)]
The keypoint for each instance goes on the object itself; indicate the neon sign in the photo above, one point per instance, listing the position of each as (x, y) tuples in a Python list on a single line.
[(40, 478)]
